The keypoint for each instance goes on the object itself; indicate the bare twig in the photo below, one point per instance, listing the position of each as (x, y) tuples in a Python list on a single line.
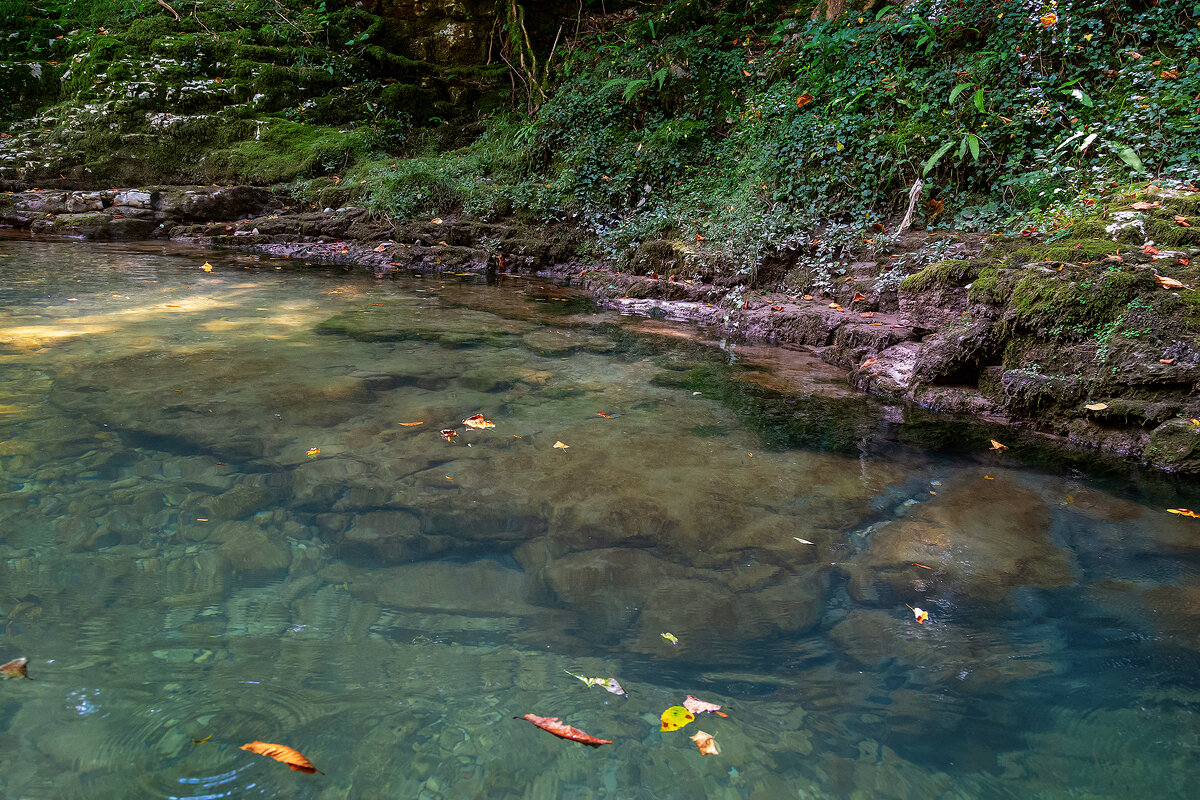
[(174, 13), (914, 194), (196, 16)]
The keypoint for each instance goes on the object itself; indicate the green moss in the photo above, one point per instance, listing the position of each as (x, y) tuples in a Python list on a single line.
[(285, 151), (1071, 250), (1162, 228), (952, 272), (983, 289), (1069, 304)]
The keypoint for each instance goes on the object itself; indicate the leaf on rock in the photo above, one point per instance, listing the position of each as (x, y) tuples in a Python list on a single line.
[(698, 706), (17, 668), (478, 422), (436, 220), (857, 297), (997, 446), (1096, 406), (561, 446), (1144, 206), (312, 452), (1166, 361), (706, 743), (283, 754), (807, 297), (1168, 283), (670, 637), (561, 729), (675, 718), (867, 363), (1183, 512), (1149, 249)]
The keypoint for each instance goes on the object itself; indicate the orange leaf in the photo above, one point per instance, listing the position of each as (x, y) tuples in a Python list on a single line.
[(1182, 221), (17, 668), (283, 754), (1149, 249), (410, 424), (312, 452), (858, 296), (803, 100), (1184, 261), (706, 743), (478, 422), (561, 446), (698, 706), (868, 315), (602, 414), (559, 728), (921, 616), (1048, 20), (449, 434), (867, 363), (379, 249), (1184, 512), (808, 297), (836, 307), (877, 227), (922, 566), (997, 446), (1169, 74), (1168, 283), (1166, 361)]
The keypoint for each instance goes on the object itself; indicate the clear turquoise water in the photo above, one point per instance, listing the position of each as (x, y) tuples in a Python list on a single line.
[(175, 566)]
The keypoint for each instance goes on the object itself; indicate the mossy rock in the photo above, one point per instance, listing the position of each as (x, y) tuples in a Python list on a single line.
[(1071, 303), (1163, 230), (951, 272), (1175, 446)]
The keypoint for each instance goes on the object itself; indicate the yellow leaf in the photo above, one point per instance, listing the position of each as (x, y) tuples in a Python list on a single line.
[(283, 754), (409, 424), (436, 220), (207, 267), (840, 147), (997, 446), (202, 741), (1048, 20), (670, 637), (1183, 512), (312, 452), (920, 615), (1096, 406), (706, 743), (1168, 283), (561, 446), (675, 718)]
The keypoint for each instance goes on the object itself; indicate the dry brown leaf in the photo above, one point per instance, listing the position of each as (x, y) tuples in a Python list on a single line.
[(1149, 249), (478, 422), (698, 706), (867, 363), (706, 743), (1181, 220), (857, 297), (17, 668), (1096, 406), (803, 100), (283, 754), (807, 297), (1168, 283), (1144, 206), (1166, 361), (1169, 74), (449, 434)]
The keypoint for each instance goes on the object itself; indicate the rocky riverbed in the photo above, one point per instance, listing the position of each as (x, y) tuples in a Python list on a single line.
[(1089, 334)]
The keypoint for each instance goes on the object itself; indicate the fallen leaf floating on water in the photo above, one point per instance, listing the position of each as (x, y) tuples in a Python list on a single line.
[(997, 446), (478, 422), (607, 684), (1168, 283), (283, 754), (561, 446), (1183, 512), (602, 414), (312, 452), (675, 717), (207, 267), (922, 566), (202, 741), (920, 615), (706, 743), (449, 434), (803, 541), (1096, 406), (698, 706), (559, 728), (670, 637), (17, 668), (409, 424)]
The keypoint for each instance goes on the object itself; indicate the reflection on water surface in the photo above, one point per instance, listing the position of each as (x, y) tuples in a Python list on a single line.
[(177, 562)]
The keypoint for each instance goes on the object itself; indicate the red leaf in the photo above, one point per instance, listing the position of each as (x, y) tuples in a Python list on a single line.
[(559, 728)]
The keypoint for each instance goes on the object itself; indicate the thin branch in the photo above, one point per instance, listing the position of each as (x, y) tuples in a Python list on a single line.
[(163, 3)]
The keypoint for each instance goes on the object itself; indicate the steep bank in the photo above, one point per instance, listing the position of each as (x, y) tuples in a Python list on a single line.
[(1084, 336)]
